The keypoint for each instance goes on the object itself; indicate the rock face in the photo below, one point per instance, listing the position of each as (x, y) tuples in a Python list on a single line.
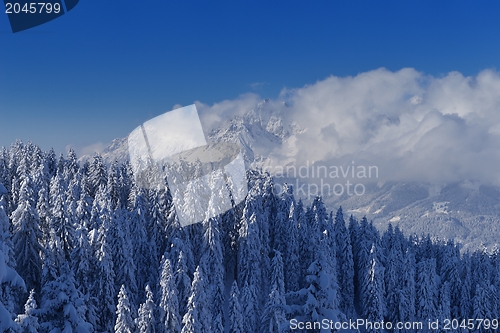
[(465, 211)]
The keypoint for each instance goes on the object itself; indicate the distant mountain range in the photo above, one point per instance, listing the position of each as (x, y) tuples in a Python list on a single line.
[(467, 212)]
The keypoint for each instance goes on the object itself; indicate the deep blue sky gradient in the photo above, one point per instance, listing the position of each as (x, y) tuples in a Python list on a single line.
[(99, 71)]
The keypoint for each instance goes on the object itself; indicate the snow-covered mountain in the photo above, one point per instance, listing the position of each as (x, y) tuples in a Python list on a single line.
[(467, 212), (259, 131), (116, 151)]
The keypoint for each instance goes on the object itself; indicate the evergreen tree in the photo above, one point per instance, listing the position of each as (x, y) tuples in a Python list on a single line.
[(5, 232), (236, 323), (11, 284), (83, 260), (5, 176), (427, 290), (52, 259), (482, 304), (62, 308), (51, 162), (113, 184), (84, 264), (169, 320), (345, 264), (250, 306), (354, 235), (156, 226), (26, 237), (450, 272), (407, 294), (304, 233), (444, 303), (183, 283), (393, 280), (137, 221), (124, 322), (367, 239), (61, 222), (292, 246), (43, 209), (61, 165), (122, 252), (320, 300), (29, 321), (84, 204), (230, 226), (466, 304), (97, 174), (146, 315), (214, 259), (274, 313), (372, 289), (192, 207), (104, 285), (318, 219), (249, 256), (197, 318), (72, 166), (249, 264)]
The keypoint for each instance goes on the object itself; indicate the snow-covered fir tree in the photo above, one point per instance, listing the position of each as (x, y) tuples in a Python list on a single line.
[(169, 320), (28, 321), (427, 293), (62, 308), (27, 236), (236, 324), (345, 264), (273, 319), (10, 281), (124, 322), (146, 315), (372, 290), (198, 317)]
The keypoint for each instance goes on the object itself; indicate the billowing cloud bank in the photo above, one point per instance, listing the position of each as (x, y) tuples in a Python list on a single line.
[(411, 125)]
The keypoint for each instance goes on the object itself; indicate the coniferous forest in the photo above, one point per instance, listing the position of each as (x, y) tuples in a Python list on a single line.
[(83, 249)]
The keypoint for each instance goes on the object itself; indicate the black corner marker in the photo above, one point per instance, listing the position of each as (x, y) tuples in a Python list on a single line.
[(26, 14)]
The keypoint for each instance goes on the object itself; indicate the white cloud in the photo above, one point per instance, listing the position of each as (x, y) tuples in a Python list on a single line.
[(411, 125), (89, 150), (257, 85)]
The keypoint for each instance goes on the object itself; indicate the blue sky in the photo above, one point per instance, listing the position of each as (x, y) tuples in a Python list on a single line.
[(99, 71)]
